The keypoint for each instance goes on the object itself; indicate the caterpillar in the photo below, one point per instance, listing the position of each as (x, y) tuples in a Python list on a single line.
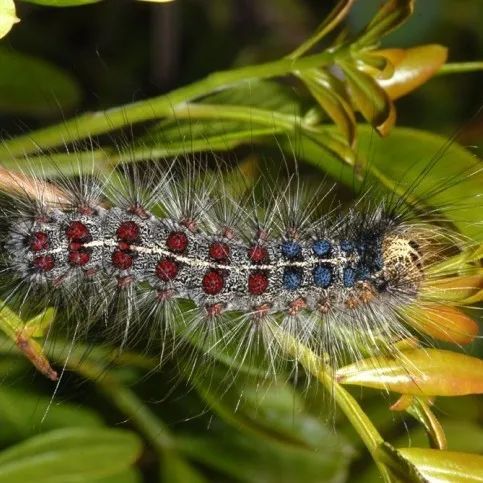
[(183, 255)]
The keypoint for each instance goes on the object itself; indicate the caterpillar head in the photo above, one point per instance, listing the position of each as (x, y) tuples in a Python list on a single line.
[(404, 255)]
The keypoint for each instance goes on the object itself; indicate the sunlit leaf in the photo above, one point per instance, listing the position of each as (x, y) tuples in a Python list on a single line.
[(445, 466), (412, 68), (442, 322), (421, 411), (423, 372), (8, 17), (62, 3)]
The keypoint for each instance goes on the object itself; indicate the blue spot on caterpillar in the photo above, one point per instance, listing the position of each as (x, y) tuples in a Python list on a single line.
[(323, 275), (291, 249), (292, 278), (321, 247)]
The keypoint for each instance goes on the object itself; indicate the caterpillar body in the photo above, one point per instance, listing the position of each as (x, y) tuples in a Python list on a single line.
[(329, 279)]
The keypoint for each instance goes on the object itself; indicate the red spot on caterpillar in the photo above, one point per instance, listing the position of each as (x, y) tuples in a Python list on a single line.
[(44, 264), (39, 241), (121, 260), (177, 241), (257, 283), (166, 269), (128, 231), (79, 258), (219, 251), (77, 231), (257, 254), (212, 282)]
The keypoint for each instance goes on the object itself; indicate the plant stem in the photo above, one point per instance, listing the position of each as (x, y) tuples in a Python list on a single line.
[(359, 420), (91, 124), (460, 67)]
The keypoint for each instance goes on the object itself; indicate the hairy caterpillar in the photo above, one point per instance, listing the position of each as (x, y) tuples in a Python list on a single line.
[(182, 255)]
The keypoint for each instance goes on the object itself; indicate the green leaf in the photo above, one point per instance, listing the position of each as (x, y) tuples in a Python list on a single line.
[(261, 94), (337, 108), (445, 466), (422, 372), (334, 18), (438, 172), (248, 458), (175, 470), (8, 17), (401, 469), (70, 456), (370, 99), (24, 412), (130, 475), (388, 18), (61, 3), (421, 411), (172, 138), (31, 86)]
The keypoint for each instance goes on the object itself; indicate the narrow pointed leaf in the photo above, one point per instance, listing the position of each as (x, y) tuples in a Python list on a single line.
[(370, 99), (455, 289), (338, 13), (422, 372), (421, 411), (389, 17), (337, 108)]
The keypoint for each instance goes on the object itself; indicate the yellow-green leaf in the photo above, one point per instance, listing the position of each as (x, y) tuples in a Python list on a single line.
[(389, 17), (442, 322), (412, 68), (445, 466), (370, 99), (422, 372), (337, 108), (421, 411), (8, 17)]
